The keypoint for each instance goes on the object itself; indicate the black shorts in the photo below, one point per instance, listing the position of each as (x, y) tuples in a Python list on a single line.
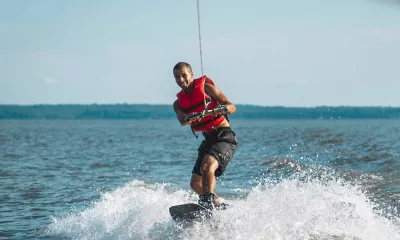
[(221, 143)]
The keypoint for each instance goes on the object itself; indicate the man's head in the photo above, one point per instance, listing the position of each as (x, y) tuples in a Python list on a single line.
[(183, 75)]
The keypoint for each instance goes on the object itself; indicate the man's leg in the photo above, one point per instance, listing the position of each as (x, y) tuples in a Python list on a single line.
[(196, 184), (208, 168), (209, 181), (196, 181)]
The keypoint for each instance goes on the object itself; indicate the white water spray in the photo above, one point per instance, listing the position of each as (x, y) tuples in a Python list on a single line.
[(291, 209)]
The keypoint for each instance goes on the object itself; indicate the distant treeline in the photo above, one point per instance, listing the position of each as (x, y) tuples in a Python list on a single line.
[(149, 111)]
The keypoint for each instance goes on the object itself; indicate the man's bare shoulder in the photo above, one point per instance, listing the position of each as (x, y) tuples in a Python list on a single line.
[(209, 87)]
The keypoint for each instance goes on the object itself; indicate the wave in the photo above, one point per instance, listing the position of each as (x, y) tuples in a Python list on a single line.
[(294, 208)]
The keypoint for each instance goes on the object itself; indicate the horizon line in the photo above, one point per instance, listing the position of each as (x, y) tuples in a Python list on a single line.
[(167, 104)]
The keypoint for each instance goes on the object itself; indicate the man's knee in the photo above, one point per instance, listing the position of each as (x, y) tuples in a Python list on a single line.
[(209, 165)]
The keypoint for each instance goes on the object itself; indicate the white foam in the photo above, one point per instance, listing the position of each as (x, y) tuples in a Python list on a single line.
[(291, 209)]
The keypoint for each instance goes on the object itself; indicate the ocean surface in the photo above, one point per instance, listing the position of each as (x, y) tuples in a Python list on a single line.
[(116, 179)]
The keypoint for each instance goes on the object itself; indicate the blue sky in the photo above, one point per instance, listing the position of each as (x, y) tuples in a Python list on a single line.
[(286, 53)]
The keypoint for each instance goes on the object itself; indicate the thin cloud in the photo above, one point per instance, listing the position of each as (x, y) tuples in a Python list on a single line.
[(390, 34), (50, 80)]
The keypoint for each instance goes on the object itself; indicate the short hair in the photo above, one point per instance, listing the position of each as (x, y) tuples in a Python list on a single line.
[(180, 65)]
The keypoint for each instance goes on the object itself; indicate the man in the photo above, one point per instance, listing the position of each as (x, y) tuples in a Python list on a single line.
[(220, 143)]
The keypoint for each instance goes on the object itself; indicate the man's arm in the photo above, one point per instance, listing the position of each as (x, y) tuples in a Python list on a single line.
[(218, 96), (180, 114)]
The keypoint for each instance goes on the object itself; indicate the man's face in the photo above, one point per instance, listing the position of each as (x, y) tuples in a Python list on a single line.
[(183, 77)]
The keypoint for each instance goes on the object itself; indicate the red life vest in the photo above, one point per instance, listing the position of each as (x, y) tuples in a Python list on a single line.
[(194, 103)]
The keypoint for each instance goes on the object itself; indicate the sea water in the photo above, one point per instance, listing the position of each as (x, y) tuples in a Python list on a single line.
[(116, 179)]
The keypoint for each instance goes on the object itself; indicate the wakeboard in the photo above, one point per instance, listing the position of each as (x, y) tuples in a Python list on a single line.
[(191, 211)]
